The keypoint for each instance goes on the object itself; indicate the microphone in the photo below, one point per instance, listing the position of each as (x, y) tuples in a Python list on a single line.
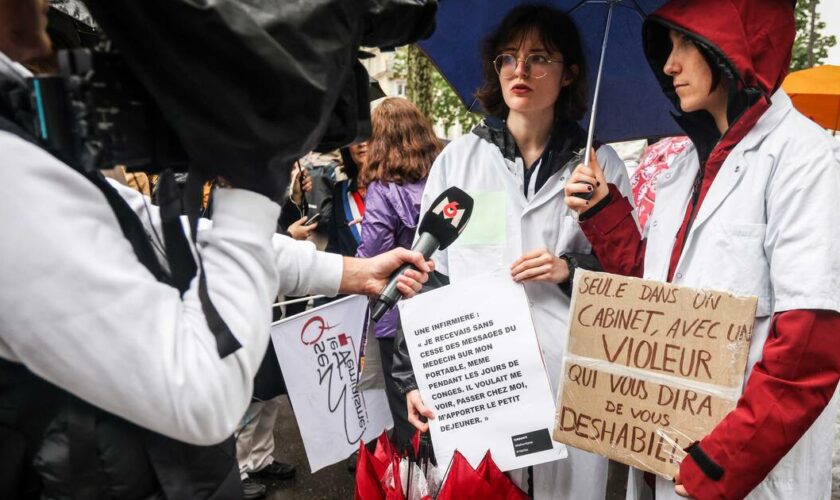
[(440, 227)]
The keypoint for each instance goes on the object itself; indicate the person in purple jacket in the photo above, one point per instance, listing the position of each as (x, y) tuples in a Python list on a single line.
[(401, 150)]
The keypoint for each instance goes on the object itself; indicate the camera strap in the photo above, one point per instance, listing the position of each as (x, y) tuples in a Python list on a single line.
[(182, 267), (131, 227), (181, 263)]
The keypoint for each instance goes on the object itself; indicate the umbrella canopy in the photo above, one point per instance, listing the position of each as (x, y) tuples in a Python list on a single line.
[(816, 94), (368, 486), (462, 481), (632, 105), (501, 484)]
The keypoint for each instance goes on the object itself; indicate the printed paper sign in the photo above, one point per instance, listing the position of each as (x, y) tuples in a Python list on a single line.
[(650, 367), (478, 366), (319, 354)]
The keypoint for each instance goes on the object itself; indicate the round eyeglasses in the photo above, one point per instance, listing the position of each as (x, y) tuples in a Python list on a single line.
[(536, 65)]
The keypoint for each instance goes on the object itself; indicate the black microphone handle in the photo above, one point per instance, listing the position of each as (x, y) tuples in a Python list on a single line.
[(388, 296)]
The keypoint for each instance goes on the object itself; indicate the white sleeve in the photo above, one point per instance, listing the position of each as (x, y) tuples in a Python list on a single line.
[(79, 310), (148, 213), (615, 171), (303, 270), (802, 241), (149, 216)]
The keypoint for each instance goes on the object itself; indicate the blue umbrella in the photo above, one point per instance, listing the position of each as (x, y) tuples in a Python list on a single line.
[(631, 104)]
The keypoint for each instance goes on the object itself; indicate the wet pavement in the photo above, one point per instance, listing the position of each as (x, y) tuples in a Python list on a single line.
[(330, 483)]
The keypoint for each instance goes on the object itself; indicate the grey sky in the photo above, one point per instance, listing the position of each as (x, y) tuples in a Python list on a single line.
[(830, 13)]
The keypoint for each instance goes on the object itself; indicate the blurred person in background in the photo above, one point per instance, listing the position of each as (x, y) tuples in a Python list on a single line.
[(400, 153), (348, 208)]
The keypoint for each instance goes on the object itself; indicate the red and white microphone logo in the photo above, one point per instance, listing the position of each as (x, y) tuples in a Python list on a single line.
[(450, 210)]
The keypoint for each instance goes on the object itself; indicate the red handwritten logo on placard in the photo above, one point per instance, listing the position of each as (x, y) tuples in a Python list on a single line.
[(313, 330)]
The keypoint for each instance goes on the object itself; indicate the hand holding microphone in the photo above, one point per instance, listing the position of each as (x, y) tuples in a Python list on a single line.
[(446, 219)]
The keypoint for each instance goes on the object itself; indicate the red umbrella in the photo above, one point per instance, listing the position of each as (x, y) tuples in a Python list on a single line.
[(463, 482), (498, 480), (368, 486), (391, 482), (379, 473), (415, 443), (383, 454)]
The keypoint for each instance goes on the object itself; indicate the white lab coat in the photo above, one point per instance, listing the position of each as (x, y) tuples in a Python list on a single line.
[(770, 227), (504, 226)]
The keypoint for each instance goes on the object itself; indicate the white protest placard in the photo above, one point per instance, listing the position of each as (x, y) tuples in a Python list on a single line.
[(318, 352), (478, 366)]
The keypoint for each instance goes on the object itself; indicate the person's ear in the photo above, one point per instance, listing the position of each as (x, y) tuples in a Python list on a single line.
[(570, 75)]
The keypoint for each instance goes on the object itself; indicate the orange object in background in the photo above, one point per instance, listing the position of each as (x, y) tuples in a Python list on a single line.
[(816, 94)]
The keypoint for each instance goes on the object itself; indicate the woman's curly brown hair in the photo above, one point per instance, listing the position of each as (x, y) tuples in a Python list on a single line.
[(402, 144), (557, 32)]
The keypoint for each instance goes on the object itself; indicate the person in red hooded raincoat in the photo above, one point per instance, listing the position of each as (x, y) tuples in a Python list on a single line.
[(750, 208)]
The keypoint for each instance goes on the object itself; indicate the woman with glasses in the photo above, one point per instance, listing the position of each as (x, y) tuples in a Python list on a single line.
[(515, 165)]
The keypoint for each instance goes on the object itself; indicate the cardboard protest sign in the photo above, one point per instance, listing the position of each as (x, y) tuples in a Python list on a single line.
[(650, 367), (318, 352), (478, 366)]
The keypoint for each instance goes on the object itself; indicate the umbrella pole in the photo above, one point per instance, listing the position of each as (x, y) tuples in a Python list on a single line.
[(591, 135)]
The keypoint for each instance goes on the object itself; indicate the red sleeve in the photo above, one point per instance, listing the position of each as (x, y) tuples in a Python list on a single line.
[(786, 392), (614, 236)]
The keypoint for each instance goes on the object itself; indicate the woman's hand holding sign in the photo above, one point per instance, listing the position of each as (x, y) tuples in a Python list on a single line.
[(679, 488), (417, 411), (540, 265)]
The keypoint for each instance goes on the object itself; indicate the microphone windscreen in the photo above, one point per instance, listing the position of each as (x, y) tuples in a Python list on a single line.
[(447, 216)]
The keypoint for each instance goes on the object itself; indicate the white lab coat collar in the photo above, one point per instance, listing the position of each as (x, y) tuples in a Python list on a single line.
[(12, 68), (553, 186), (533, 200), (734, 166), (780, 106)]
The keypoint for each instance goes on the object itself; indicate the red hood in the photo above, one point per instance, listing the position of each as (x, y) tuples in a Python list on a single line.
[(752, 41), (755, 37)]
